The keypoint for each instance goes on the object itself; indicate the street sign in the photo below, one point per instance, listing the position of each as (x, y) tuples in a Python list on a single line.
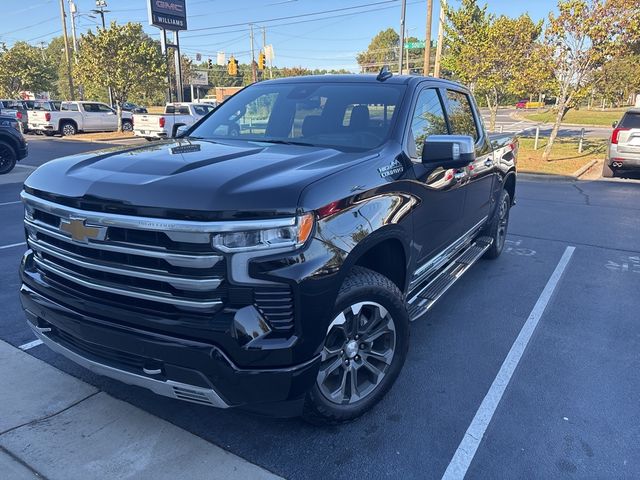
[(221, 59), (412, 45), (199, 77), (168, 14), (268, 53)]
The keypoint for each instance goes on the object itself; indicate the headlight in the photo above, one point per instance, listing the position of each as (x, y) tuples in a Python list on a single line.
[(292, 236)]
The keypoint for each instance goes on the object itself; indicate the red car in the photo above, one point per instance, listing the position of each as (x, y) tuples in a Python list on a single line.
[(521, 104)]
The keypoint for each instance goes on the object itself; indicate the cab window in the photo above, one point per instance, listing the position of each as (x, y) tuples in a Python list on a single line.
[(428, 119), (461, 116)]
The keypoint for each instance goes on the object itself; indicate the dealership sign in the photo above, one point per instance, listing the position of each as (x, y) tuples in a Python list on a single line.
[(168, 14)]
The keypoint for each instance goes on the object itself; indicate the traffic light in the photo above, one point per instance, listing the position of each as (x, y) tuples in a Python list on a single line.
[(210, 64), (232, 66), (261, 59)]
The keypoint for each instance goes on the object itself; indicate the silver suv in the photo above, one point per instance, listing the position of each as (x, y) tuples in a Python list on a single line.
[(623, 154)]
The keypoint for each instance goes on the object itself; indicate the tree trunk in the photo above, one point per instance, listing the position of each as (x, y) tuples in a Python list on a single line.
[(562, 110), (493, 110), (119, 113)]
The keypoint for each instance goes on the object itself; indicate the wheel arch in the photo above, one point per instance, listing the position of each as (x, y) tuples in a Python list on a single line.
[(510, 186)]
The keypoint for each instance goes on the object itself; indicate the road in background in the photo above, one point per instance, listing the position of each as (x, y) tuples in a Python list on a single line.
[(506, 120)]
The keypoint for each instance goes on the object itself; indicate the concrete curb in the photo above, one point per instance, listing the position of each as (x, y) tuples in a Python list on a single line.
[(545, 177), (582, 170), (516, 116), (56, 426)]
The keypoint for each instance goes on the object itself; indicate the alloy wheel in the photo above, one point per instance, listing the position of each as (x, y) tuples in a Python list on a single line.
[(68, 129), (6, 157), (503, 222), (358, 351)]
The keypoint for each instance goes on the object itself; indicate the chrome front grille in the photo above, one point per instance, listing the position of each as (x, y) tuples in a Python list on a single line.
[(114, 256)]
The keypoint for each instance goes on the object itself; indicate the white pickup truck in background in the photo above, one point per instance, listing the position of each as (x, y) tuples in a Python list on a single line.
[(74, 117), (165, 125)]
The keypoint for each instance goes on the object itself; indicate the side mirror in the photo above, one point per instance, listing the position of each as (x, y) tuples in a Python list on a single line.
[(449, 151), (181, 130), (614, 124)]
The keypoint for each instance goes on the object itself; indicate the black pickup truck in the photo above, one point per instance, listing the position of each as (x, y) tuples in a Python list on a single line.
[(272, 257), (13, 146)]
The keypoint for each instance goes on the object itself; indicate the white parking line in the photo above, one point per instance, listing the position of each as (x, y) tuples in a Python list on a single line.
[(29, 345), (461, 460), (11, 245), (10, 203)]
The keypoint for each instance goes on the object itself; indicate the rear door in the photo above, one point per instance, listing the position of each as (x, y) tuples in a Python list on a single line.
[(479, 175), (439, 214), (91, 117)]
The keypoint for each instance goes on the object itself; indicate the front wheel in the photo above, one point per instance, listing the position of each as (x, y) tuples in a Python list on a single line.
[(497, 229), (127, 126), (364, 350), (8, 158)]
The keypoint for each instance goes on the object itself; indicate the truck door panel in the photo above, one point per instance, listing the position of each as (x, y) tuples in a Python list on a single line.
[(438, 217), (480, 174)]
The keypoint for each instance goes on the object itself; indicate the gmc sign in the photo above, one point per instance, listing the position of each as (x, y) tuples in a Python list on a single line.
[(168, 14)]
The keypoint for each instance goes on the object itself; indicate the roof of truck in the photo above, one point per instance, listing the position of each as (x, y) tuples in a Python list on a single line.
[(359, 78)]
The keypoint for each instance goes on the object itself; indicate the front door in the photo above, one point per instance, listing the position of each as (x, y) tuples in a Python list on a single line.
[(108, 118), (438, 217), (91, 117), (481, 173)]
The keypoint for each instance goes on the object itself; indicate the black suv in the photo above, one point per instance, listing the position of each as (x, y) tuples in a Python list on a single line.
[(273, 257), (13, 146)]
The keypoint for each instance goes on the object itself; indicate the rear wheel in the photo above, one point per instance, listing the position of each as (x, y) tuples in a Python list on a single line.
[(607, 171), (364, 350), (68, 129), (497, 229), (8, 158)]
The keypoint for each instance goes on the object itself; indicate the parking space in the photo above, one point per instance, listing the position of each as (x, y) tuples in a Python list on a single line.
[(569, 410)]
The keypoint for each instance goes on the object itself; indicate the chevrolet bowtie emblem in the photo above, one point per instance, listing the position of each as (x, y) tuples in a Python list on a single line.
[(81, 232)]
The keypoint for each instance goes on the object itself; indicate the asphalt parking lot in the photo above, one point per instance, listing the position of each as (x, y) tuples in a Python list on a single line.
[(569, 409)]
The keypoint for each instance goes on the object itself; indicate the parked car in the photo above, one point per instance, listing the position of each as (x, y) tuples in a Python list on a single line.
[(133, 108), (521, 104), (165, 125), (623, 154), (275, 269), (18, 110), (13, 146), (74, 117)]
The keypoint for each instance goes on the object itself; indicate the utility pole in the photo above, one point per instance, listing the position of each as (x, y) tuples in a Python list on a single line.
[(427, 45), (402, 17), (100, 4), (254, 74), (179, 92), (66, 48), (436, 67)]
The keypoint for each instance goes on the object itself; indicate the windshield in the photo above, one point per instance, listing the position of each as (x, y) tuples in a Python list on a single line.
[(346, 116)]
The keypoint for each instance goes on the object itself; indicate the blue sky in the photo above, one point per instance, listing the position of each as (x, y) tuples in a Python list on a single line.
[(322, 41)]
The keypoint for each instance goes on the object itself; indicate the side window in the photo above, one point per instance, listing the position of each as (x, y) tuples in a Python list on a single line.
[(461, 115), (428, 119), (102, 108)]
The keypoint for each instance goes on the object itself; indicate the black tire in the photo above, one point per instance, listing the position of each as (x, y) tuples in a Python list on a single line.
[(8, 158), (607, 171), (68, 129), (369, 290), (497, 229), (127, 126)]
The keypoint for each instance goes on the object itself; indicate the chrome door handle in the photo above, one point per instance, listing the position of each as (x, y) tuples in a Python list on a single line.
[(488, 163)]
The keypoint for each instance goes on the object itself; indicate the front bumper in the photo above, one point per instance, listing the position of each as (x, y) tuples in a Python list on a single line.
[(183, 369)]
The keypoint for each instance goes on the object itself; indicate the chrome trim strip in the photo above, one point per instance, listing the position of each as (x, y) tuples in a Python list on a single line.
[(155, 224), (166, 388), (197, 284), (175, 259), (443, 257), (131, 292)]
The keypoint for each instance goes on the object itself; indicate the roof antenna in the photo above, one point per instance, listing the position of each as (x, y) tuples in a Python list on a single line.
[(384, 74)]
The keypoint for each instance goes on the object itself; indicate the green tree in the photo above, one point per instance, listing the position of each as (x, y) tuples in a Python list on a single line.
[(122, 57), (495, 56), (583, 36), (619, 79), (383, 50), (22, 68)]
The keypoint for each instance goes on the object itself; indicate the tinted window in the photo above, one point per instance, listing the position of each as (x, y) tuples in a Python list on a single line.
[(630, 120), (428, 119), (461, 115), (72, 107), (100, 107), (349, 116)]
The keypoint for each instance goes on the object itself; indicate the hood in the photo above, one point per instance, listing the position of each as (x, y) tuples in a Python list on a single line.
[(218, 180)]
